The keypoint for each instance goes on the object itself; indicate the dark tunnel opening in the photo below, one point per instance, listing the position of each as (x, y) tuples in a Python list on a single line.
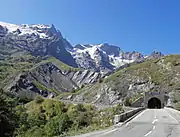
[(154, 103)]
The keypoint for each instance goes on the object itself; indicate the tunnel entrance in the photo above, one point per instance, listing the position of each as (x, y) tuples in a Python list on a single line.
[(154, 103)]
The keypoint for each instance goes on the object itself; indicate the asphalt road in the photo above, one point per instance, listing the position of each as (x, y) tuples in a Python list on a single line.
[(149, 123)]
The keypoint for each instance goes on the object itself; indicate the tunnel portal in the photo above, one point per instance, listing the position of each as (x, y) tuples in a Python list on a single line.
[(154, 99), (154, 103)]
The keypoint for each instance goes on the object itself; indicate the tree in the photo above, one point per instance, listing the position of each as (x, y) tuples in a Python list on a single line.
[(57, 125), (7, 117)]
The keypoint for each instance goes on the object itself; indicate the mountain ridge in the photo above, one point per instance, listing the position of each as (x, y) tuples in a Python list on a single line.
[(42, 40)]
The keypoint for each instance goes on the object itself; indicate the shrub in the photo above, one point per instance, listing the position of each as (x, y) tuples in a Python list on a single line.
[(127, 101), (57, 125), (82, 86), (100, 80), (117, 109), (39, 99)]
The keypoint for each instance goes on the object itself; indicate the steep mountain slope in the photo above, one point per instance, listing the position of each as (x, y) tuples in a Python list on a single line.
[(28, 76), (102, 58), (162, 74), (39, 40), (42, 40), (27, 70)]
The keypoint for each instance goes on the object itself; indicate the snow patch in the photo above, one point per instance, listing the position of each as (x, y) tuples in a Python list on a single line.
[(116, 61), (27, 29)]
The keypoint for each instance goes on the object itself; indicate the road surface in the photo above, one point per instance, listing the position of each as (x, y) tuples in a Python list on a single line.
[(149, 123)]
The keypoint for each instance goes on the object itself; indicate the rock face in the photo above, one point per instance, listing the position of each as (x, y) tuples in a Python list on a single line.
[(23, 86), (48, 80), (155, 54), (161, 75), (83, 77), (39, 40), (43, 40), (102, 58)]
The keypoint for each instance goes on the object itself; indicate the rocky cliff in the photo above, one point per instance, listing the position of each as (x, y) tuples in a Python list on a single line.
[(39, 40), (49, 78)]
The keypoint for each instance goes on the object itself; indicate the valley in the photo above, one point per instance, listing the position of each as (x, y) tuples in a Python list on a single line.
[(56, 89)]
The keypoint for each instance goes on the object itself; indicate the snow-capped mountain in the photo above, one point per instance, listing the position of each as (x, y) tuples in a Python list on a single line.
[(102, 57), (39, 40), (43, 40), (40, 30)]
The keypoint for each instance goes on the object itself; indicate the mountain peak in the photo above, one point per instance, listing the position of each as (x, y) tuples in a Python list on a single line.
[(104, 57), (41, 30)]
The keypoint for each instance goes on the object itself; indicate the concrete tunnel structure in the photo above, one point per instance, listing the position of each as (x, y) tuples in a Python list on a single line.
[(154, 99)]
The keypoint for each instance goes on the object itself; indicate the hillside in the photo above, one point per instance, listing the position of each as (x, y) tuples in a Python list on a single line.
[(57, 89), (161, 74), (45, 117), (45, 40), (29, 76)]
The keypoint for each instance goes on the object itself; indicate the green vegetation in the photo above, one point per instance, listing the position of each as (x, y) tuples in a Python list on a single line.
[(148, 70), (74, 92), (15, 65), (130, 100), (177, 106), (127, 101), (5, 70), (56, 62), (114, 76), (62, 65), (39, 99), (42, 87), (174, 59), (8, 118), (47, 118), (28, 62), (100, 80)]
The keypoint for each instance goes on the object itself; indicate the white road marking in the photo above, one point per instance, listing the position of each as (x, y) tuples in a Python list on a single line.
[(154, 121), (172, 110), (139, 115), (148, 133), (172, 117), (109, 131), (127, 124), (136, 117), (170, 114), (155, 115)]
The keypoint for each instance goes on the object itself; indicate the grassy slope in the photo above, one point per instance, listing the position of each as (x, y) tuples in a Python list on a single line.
[(83, 118), (11, 67), (163, 72), (57, 63), (155, 70)]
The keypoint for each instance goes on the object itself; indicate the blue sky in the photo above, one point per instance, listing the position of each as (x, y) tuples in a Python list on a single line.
[(134, 25)]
